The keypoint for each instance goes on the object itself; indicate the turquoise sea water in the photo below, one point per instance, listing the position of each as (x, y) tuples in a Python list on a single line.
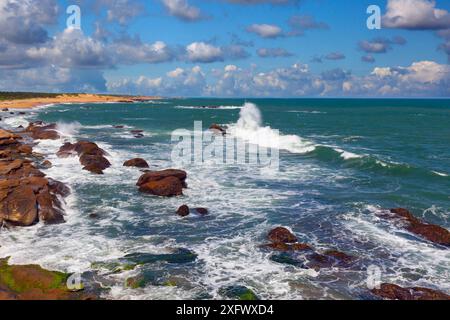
[(341, 163)]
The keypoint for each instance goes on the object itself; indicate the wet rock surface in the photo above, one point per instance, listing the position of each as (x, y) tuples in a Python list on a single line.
[(430, 232), (32, 282), (91, 156), (390, 291), (302, 255), (26, 195), (166, 183), (137, 162)]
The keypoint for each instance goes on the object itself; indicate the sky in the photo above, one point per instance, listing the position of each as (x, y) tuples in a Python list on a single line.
[(227, 48)]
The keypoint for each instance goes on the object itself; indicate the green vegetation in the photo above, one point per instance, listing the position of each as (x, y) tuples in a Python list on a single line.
[(20, 279), (238, 293), (25, 95)]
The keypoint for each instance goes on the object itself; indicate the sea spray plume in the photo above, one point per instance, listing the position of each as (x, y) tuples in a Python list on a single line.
[(249, 128)]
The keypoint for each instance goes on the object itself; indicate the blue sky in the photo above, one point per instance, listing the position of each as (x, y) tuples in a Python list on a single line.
[(215, 47)]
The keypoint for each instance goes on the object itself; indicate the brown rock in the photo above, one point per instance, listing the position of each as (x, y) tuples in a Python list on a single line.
[(40, 131), (48, 209), (430, 232), (47, 164), (282, 235), (167, 187), (67, 150), (19, 207), (279, 246), (25, 149), (94, 163), (7, 135), (215, 127), (394, 292), (329, 259), (137, 162), (7, 167), (91, 155), (159, 175), (183, 211), (202, 211)]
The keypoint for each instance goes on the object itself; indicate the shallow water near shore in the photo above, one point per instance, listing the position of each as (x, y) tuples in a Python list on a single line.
[(341, 163)]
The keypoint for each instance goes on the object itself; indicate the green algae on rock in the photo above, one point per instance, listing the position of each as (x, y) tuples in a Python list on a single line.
[(32, 282)]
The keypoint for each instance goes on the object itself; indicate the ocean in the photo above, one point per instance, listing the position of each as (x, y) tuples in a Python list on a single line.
[(341, 163)]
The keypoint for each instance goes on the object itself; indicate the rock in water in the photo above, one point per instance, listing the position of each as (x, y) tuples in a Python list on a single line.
[(166, 183), (202, 211), (39, 130), (91, 156), (167, 187), (219, 129), (282, 235), (393, 292), (137, 162), (238, 293), (430, 232), (183, 211), (31, 282)]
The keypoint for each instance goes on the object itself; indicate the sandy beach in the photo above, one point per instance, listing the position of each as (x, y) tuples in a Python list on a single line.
[(66, 98)]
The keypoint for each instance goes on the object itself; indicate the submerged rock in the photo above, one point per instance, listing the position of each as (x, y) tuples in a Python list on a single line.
[(177, 256), (137, 162), (238, 293), (303, 255), (394, 292), (430, 232)]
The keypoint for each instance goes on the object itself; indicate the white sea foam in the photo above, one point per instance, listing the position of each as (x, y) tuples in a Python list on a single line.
[(440, 173), (249, 128), (210, 108), (346, 155)]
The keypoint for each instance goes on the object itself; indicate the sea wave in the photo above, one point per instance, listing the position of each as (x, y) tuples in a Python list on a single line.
[(210, 107), (249, 128)]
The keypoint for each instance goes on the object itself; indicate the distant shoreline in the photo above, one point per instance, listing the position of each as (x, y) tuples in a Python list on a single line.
[(28, 103)]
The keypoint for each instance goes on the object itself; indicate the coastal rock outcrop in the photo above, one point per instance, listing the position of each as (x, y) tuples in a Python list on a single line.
[(303, 255), (166, 183), (394, 292), (282, 235), (91, 156), (41, 131), (26, 195), (430, 232), (32, 282), (137, 162)]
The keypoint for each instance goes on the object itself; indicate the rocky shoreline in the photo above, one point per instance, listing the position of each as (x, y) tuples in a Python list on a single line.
[(29, 197)]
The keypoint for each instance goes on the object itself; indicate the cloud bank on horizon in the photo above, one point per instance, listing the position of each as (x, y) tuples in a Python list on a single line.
[(227, 48)]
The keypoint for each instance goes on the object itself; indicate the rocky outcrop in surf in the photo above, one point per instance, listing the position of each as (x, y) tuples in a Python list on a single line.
[(303, 255), (26, 195), (390, 291), (430, 232), (91, 156), (137, 162), (41, 131), (166, 183), (32, 282), (184, 211)]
